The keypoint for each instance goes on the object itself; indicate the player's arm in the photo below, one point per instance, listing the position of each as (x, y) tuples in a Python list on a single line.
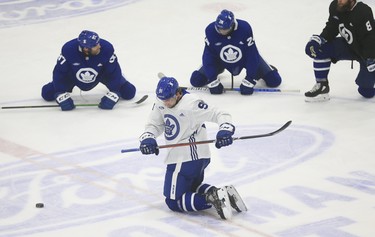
[(61, 82), (210, 61), (112, 77), (153, 128), (366, 34), (252, 56), (252, 62), (331, 30)]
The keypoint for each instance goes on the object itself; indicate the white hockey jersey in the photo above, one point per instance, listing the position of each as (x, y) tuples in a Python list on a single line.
[(185, 123)]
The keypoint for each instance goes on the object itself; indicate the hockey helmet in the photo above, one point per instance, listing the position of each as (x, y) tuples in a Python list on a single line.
[(166, 88), (225, 20), (88, 39)]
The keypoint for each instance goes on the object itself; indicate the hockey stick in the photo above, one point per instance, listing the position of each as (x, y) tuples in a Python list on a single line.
[(213, 140), (232, 82), (53, 106), (206, 89)]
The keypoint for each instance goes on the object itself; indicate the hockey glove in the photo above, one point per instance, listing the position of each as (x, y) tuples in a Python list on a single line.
[(109, 100), (216, 87), (65, 101), (224, 135), (247, 87), (370, 62), (148, 144), (313, 46)]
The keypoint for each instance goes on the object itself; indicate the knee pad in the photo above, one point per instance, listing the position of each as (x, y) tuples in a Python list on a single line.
[(48, 92), (127, 91), (366, 92), (198, 79), (272, 78), (173, 205)]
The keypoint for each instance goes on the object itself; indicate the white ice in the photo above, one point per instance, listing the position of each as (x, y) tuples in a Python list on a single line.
[(316, 178)]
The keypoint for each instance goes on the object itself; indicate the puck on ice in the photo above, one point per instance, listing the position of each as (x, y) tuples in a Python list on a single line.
[(39, 205)]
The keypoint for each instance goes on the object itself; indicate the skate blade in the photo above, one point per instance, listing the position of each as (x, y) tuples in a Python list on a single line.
[(318, 98), (239, 204)]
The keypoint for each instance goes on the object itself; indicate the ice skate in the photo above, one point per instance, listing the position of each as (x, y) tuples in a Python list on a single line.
[(235, 199), (318, 93), (218, 197)]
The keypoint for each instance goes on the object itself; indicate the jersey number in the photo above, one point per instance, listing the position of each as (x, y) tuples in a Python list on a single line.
[(250, 41), (368, 26), (61, 59)]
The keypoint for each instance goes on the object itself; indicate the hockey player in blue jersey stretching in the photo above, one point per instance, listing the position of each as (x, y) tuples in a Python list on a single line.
[(84, 62), (181, 117), (230, 45)]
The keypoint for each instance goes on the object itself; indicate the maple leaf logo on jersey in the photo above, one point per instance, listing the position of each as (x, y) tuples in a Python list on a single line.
[(230, 54), (169, 127), (86, 75)]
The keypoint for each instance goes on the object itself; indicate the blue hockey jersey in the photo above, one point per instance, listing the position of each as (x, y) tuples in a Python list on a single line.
[(74, 68), (233, 52)]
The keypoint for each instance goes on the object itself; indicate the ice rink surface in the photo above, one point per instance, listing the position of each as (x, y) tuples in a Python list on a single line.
[(316, 178)]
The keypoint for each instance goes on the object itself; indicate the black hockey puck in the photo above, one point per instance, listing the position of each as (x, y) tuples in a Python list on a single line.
[(39, 205)]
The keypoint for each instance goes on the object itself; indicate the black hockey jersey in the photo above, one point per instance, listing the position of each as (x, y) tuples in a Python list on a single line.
[(356, 26)]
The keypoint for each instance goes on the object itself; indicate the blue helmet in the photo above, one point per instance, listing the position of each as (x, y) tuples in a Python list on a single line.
[(225, 20), (166, 88), (88, 39)]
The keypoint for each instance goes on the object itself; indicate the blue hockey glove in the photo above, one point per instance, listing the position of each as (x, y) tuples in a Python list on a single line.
[(109, 100), (148, 144), (216, 87), (65, 101), (224, 135), (313, 46), (247, 86), (370, 62)]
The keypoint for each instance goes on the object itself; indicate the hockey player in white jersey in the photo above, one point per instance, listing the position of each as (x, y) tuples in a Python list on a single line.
[(181, 116)]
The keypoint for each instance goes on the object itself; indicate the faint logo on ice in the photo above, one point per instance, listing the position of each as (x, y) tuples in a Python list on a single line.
[(253, 159), (21, 12), (97, 183)]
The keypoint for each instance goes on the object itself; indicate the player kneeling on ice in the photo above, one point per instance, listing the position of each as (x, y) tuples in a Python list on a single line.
[(181, 117), (84, 62), (354, 21), (230, 45)]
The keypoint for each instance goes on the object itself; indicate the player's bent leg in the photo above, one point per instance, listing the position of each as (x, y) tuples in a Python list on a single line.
[(188, 202), (198, 79), (272, 78), (174, 205), (366, 92), (365, 81), (203, 188), (48, 92), (127, 91)]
